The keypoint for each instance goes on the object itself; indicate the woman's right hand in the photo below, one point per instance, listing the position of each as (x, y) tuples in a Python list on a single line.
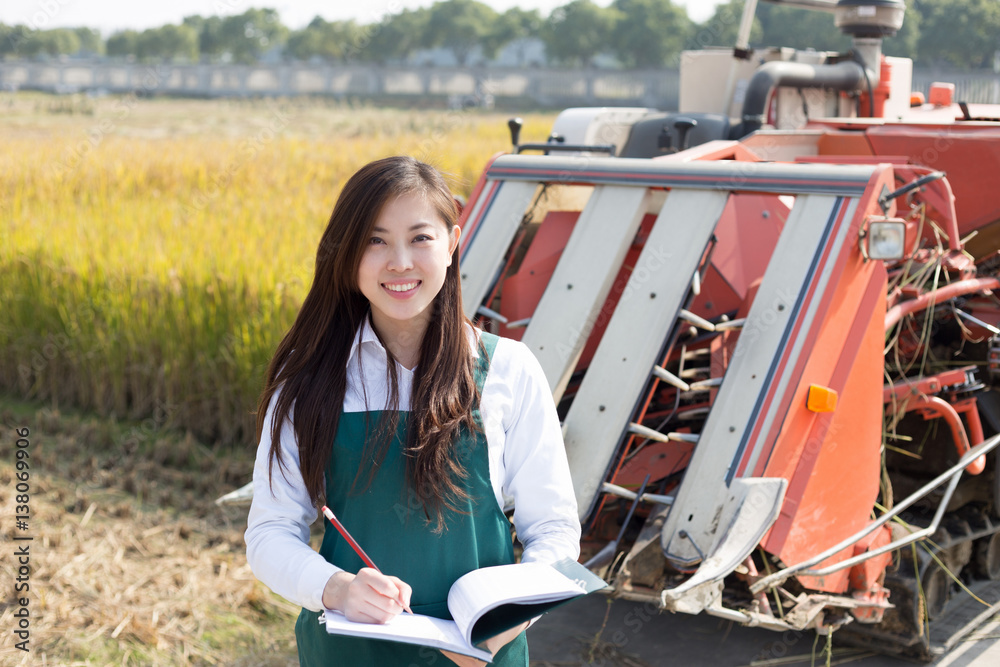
[(366, 597)]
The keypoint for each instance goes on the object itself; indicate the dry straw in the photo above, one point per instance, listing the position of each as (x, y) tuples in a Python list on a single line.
[(131, 561)]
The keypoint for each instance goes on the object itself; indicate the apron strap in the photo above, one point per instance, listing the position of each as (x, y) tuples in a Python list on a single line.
[(487, 345)]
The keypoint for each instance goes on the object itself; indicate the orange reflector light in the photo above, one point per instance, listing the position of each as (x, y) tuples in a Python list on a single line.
[(821, 399)]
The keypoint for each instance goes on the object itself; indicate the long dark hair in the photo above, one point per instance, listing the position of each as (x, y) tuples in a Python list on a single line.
[(310, 364)]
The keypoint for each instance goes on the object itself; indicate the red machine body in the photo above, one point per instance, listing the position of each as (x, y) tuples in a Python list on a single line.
[(774, 353)]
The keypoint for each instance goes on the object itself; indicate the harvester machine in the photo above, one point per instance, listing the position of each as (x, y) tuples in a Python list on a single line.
[(770, 323)]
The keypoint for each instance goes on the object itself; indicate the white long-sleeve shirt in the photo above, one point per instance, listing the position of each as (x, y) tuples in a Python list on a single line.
[(526, 454)]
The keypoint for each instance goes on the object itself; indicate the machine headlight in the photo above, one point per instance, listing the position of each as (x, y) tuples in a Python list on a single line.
[(886, 239)]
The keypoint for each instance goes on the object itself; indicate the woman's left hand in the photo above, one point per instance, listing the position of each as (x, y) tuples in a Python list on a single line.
[(493, 644)]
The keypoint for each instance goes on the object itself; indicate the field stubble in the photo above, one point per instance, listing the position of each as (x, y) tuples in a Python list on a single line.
[(131, 561)]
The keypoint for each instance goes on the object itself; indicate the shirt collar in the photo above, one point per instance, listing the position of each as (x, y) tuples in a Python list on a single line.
[(366, 334)]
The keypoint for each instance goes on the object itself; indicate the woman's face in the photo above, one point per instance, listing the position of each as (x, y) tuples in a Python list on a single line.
[(404, 264)]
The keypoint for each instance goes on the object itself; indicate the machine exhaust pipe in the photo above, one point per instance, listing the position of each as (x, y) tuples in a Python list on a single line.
[(867, 21), (846, 75)]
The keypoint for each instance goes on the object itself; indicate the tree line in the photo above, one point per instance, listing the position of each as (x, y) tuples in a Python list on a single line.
[(627, 33)]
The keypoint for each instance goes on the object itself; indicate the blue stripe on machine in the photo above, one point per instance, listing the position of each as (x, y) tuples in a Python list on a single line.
[(783, 344), (482, 218)]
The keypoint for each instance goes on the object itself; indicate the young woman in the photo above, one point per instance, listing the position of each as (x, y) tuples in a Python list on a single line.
[(385, 403)]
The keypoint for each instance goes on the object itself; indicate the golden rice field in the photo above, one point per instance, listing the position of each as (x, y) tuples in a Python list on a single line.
[(152, 252)]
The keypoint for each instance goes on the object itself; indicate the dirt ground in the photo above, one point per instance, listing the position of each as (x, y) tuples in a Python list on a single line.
[(131, 562), (600, 632)]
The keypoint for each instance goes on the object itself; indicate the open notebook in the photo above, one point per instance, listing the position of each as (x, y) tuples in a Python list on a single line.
[(484, 603)]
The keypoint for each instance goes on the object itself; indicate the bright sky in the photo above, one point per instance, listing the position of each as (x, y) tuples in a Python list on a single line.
[(112, 15)]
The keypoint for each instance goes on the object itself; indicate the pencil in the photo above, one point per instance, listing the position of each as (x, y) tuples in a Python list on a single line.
[(328, 513)]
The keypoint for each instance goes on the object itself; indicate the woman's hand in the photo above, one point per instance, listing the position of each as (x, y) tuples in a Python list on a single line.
[(493, 644), (367, 597)]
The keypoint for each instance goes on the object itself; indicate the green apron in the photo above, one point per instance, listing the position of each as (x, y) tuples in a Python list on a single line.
[(388, 521)]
